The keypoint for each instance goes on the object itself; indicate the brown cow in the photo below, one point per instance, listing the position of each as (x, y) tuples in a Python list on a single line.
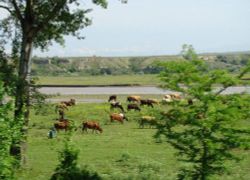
[(91, 125), (147, 102), (133, 98), (133, 106), (71, 102), (62, 124), (118, 117)]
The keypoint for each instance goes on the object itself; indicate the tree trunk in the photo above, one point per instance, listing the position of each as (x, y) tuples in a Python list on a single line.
[(22, 102)]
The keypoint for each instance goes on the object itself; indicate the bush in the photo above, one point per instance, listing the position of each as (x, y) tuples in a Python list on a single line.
[(68, 169)]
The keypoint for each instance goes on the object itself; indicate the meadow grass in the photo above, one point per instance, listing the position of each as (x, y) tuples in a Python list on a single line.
[(122, 151), (132, 79), (148, 79)]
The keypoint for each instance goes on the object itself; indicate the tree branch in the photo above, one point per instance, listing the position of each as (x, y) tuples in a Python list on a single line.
[(18, 12), (223, 89), (6, 8)]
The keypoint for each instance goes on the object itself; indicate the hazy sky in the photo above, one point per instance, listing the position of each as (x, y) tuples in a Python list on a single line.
[(159, 27)]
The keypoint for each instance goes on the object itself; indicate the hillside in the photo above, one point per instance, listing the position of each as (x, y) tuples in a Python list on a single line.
[(61, 66)]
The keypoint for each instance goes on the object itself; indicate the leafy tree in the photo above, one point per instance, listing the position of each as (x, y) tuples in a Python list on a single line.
[(205, 129), (38, 23), (188, 52)]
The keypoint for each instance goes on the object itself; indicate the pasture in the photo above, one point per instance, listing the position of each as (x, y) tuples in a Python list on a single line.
[(108, 80), (146, 79), (122, 151)]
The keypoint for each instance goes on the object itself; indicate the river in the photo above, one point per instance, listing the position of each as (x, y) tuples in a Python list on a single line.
[(123, 90)]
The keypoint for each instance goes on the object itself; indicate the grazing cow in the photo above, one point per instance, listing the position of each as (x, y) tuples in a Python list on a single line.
[(60, 108), (71, 102), (150, 120), (112, 98), (146, 102), (175, 96), (118, 117), (91, 125), (114, 104), (133, 98), (133, 106), (167, 98), (62, 124), (154, 101)]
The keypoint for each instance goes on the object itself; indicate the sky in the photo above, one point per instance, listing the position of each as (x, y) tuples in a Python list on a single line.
[(160, 27)]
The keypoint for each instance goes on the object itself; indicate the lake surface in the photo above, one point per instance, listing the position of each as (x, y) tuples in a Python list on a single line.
[(124, 90)]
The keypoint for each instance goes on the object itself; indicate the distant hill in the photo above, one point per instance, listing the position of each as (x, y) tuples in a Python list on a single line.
[(96, 65)]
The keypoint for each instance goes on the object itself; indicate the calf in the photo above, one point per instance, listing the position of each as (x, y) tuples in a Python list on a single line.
[(118, 117), (133, 106), (150, 120), (133, 98), (91, 125), (112, 98)]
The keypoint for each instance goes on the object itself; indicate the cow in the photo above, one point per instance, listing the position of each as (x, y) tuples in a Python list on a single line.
[(133, 98), (175, 96), (147, 102), (62, 124), (154, 101), (71, 102), (91, 125), (150, 120), (118, 117), (114, 104), (112, 98), (168, 98), (60, 108), (133, 106)]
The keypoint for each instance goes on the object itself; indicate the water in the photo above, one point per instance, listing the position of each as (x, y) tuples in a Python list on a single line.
[(124, 90)]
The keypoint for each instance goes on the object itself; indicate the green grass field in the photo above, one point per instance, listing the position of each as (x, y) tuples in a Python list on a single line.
[(148, 79), (122, 151)]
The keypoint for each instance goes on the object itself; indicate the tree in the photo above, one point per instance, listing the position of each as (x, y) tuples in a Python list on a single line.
[(188, 52), (205, 128), (38, 23)]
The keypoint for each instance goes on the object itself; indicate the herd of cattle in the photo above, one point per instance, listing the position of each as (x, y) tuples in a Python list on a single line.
[(134, 103)]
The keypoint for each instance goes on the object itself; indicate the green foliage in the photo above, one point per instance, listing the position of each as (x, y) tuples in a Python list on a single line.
[(7, 73), (6, 135), (204, 132), (188, 52), (68, 169)]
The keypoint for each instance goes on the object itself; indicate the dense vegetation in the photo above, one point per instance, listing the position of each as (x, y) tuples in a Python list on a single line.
[(79, 66), (204, 130)]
